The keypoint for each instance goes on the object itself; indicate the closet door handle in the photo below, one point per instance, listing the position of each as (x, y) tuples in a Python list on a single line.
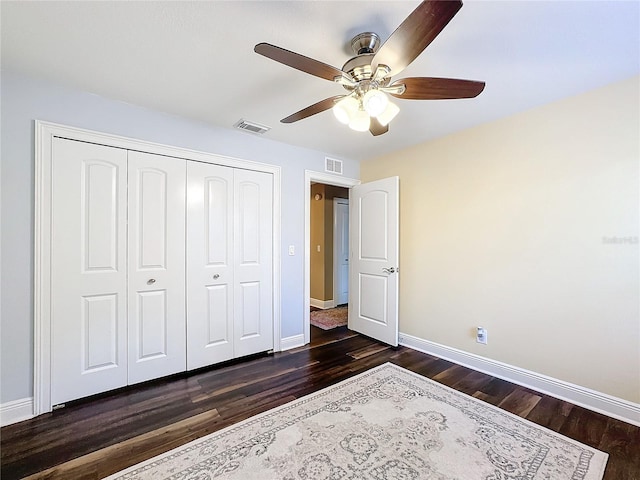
[(151, 281), (216, 276)]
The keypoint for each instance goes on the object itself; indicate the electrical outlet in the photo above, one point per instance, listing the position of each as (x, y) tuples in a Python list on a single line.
[(481, 335)]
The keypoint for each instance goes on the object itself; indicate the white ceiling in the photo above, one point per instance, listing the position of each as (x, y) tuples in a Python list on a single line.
[(196, 59)]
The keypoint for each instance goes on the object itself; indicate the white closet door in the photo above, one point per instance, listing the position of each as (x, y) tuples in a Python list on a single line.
[(88, 278), (157, 323), (253, 245), (209, 264)]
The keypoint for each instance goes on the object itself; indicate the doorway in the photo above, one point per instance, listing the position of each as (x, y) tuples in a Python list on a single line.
[(334, 187), (329, 245), (341, 250)]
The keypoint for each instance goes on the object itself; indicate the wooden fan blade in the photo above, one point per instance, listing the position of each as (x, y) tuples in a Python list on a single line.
[(427, 88), (321, 106), (413, 35), (297, 61), (376, 128)]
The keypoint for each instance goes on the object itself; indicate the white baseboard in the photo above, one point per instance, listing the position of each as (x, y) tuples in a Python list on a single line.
[(599, 402), (292, 342), (323, 304), (16, 411)]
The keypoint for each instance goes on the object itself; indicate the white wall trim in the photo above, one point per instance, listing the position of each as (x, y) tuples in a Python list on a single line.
[(16, 411), (293, 341), (598, 402), (323, 304), (327, 179), (45, 132)]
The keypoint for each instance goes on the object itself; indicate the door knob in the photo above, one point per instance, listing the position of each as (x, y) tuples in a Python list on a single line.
[(216, 276), (151, 281), (389, 270)]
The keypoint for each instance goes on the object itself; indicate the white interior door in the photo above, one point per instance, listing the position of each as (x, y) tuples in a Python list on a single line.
[(157, 323), (209, 264), (89, 273), (373, 302), (341, 251), (253, 262)]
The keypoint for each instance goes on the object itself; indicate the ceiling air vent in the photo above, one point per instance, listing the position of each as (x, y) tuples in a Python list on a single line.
[(332, 165), (251, 127)]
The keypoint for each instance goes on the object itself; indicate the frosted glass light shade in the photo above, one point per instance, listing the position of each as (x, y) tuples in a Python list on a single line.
[(375, 102), (360, 121), (389, 114), (345, 109)]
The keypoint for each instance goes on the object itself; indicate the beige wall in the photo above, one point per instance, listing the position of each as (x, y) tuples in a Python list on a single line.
[(316, 262), (513, 226), (321, 263)]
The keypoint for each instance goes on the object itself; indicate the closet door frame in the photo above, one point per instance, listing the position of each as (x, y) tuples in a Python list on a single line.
[(45, 132)]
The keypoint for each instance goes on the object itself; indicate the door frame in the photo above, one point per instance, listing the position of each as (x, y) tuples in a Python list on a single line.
[(45, 132), (327, 179), (336, 201)]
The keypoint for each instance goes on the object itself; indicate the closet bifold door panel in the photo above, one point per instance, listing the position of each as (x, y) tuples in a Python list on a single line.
[(253, 262), (229, 263), (88, 269), (209, 264), (156, 238), (158, 265)]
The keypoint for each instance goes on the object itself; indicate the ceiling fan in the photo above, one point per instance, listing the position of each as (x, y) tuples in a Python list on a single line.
[(367, 76)]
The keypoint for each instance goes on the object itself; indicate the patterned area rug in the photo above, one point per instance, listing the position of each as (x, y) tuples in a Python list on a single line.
[(330, 318), (386, 423)]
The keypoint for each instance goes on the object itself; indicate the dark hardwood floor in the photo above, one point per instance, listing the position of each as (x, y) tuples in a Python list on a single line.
[(97, 437)]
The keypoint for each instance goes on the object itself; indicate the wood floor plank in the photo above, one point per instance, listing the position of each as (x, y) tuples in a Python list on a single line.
[(587, 425), (550, 412), (471, 382), (495, 391), (236, 386), (622, 442), (134, 449), (366, 351), (520, 402), (93, 438)]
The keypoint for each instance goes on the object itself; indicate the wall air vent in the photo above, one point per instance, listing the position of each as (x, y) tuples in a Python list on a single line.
[(251, 127), (332, 165)]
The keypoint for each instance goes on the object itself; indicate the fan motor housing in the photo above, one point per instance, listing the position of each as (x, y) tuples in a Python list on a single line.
[(364, 45), (359, 67)]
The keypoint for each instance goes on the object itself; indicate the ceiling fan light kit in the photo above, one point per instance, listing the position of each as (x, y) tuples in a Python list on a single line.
[(360, 121), (389, 114), (375, 102), (345, 108), (357, 112), (367, 76)]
